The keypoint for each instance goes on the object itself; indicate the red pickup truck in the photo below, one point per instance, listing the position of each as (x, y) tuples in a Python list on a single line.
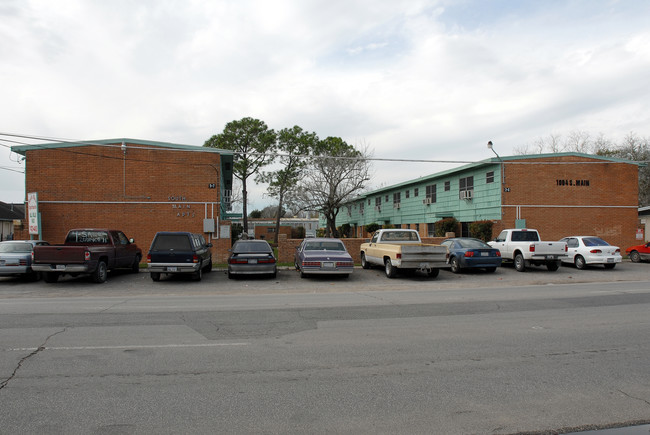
[(87, 251)]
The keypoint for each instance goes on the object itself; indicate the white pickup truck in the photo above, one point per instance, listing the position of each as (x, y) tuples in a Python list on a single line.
[(401, 249), (524, 248)]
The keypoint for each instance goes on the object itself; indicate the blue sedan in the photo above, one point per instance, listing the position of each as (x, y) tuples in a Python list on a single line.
[(16, 258), (321, 256), (466, 252)]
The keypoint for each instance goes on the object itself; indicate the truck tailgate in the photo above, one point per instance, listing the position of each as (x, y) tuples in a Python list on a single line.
[(59, 254), (424, 253), (546, 248)]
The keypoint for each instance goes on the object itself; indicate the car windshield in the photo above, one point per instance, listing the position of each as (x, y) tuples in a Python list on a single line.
[(324, 246), (166, 242), (473, 243), (525, 236), (594, 241), (251, 248), (16, 247)]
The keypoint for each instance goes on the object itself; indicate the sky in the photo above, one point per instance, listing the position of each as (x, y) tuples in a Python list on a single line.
[(420, 79)]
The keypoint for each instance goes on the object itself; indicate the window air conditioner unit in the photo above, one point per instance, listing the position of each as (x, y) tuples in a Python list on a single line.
[(426, 201), (378, 208), (397, 204), (466, 194)]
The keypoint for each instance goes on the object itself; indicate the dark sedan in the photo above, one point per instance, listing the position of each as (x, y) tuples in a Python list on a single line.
[(465, 252), (323, 256), (251, 257), (16, 258)]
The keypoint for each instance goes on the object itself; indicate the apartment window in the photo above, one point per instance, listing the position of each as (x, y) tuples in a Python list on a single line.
[(431, 230), (489, 177), (447, 186), (415, 192), (466, 187), (386, 198), (361, 205), (406, 194), (378, 203), (396, 199), (431, 194), (417, 227)]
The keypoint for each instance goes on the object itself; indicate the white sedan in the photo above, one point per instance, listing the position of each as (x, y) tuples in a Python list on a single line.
[(588, 250)]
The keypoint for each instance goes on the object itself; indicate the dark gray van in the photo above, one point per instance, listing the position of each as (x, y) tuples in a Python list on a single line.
[(179, 252)]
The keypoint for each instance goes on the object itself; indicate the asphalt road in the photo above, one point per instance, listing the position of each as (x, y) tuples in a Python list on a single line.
[(500, 353)]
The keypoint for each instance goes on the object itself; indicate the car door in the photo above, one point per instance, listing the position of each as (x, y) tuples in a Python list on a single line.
[(573, 245), (125, 251), (372, 251)]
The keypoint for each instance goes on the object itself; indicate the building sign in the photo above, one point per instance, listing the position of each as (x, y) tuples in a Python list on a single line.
[(639, 233), (32, 212), (572, 183)]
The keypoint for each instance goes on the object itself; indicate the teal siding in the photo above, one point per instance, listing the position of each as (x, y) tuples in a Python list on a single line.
[(484, 205)]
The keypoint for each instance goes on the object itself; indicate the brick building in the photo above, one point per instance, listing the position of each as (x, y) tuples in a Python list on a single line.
[(139, 187), (558, 194)]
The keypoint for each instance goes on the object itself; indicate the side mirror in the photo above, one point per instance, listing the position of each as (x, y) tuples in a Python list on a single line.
[(209, 245), (131, 241)]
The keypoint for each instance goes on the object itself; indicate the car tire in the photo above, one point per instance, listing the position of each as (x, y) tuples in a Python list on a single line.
[(100, 274), (455, 265), (208, 268), (50, 277), (155, 276), (490, 269), (520, 263), (364, 262), (610, 266), (196, 276), (433, 273), (231, 275), (635, 257), (303, 274), (580, 262), (391, 271), (553, 266)]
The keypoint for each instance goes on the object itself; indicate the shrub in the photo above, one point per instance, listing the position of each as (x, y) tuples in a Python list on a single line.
[(298, 232), (481, 230), (371, 228), (446, 225), (344, 230)]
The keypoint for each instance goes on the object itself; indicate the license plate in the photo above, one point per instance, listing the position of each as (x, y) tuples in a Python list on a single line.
[(252, 261), (550, 257), (328, 264), (60, 267), (485, 254), (172, 269), (610, 260), (424, 266)]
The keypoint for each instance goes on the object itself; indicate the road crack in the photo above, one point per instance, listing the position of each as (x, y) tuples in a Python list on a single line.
[(632, 397), (25, 358)]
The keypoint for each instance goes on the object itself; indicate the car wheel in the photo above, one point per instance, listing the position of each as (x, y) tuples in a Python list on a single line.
[(135, 267), (455, 265), (208, 268), (520, 263), (391, 270), (50, 277), (230, 275), (196, 276), (155, 276), (580, 262), (635, 257), (553, 266), (364, 262), (303, 274), (490, 269), (101, 273), (433, 273), (610, 266)]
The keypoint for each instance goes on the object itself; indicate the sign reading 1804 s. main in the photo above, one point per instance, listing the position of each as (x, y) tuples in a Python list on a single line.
[(572, 182)]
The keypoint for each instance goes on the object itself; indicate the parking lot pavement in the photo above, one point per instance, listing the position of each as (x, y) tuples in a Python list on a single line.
[(289, 281)]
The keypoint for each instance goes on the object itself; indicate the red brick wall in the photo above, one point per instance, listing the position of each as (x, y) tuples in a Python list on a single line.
[(141, 193), (609, 201), (287, 247), (262, 232)]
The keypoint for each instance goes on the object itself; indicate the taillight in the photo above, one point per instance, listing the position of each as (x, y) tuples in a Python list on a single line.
[(498, 253), (596, 251), (87, 255), (566, 248), (22, 262), (148, 258), (195, 259), (618, 251), (469, 253), (236, 261), (311, 263), (267, 260), (344, 264), (531, 248), (398, 255)]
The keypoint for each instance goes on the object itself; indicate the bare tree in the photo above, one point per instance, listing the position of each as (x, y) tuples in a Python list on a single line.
[(337, 173)]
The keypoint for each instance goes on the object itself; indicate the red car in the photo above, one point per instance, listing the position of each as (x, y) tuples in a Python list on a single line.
[(639, 252)]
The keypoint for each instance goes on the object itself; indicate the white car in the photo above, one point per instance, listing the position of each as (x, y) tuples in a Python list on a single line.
[(588, 250)]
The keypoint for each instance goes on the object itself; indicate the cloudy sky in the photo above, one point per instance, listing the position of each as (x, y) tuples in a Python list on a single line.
[(427, 79)]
